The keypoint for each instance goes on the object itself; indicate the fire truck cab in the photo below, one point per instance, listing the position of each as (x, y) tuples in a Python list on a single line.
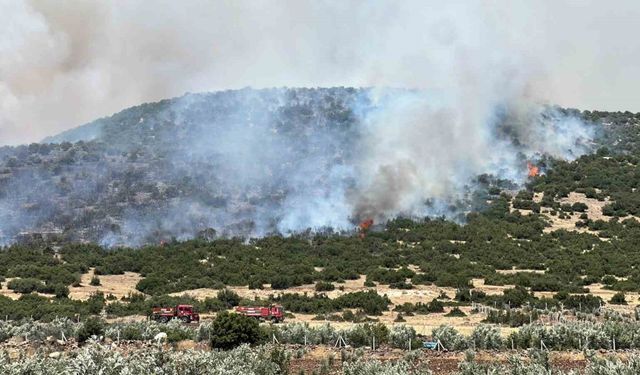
[(185, 313)]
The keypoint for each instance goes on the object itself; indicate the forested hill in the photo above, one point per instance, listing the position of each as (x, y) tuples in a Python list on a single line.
[(178, 167), (232, 163)]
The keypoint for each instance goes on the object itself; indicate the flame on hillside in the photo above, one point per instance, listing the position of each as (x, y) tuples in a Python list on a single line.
[(364, 227), (533, 169)]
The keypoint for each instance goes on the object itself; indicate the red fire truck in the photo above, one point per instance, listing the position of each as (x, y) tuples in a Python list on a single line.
[(273, 313), (182, 312)]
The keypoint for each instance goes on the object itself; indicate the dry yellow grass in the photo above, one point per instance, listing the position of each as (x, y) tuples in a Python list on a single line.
[(515, 270), (118, 285), (489, 289), (594, 211)]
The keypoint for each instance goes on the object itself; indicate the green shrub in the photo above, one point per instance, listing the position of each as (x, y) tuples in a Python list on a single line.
[(229, 330), (25, 286), (61, 291), (213, 305), (455, 312), (228, 297), (450, 338), (486, 336), (363, 334), (95, 281), (369, 284), (281, 282), (322, 286), (255, 284), (401, 335), (93, 326), (618, 299)]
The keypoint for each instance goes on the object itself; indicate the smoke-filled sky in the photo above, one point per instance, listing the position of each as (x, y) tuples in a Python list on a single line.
[(64, 63)]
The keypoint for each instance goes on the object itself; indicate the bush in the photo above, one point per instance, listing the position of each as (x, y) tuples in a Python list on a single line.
[(400, 336), (369, 284), (322, 286), (281, 282), (255, 284), (579, 207), (586, 302), (296, 333), (370, 302), (455, 312), (25, 286), (401, 285), (513, 318), (61, 291), (450, 338), (399, 318), (93, 326), (213, 305), (95, 281), (229, 297), (618, 299), (229, 330), (362, 334), (469, 295), (486, 336), (435, 306)]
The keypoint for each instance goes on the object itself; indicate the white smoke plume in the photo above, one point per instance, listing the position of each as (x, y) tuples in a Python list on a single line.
[(65, 62), (470, 65)]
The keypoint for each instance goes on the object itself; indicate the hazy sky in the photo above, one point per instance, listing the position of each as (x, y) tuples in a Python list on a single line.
[(64, 63)]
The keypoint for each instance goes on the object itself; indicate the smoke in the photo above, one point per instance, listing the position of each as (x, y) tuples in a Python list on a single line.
[(460, 90), (64, 63), (421, 149), (255, 162)]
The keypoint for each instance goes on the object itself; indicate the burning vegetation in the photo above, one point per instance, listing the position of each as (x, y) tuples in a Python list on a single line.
[(534, 170), (364, 227)]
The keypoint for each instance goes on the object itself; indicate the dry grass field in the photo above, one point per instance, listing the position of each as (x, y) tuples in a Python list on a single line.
[(118, 285)]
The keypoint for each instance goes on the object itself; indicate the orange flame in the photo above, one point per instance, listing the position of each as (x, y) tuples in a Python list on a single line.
[(364, 226), (533, 169)]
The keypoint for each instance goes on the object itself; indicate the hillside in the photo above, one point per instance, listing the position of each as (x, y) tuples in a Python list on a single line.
[(241, 163), (552, 258), (177, 167)]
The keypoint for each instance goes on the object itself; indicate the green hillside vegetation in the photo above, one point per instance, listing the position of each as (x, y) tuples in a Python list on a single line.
[(402, 254)]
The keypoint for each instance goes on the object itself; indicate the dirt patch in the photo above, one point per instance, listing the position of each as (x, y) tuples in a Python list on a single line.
[(118, 285), (479, 284), (594, 212), (515, 270)]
